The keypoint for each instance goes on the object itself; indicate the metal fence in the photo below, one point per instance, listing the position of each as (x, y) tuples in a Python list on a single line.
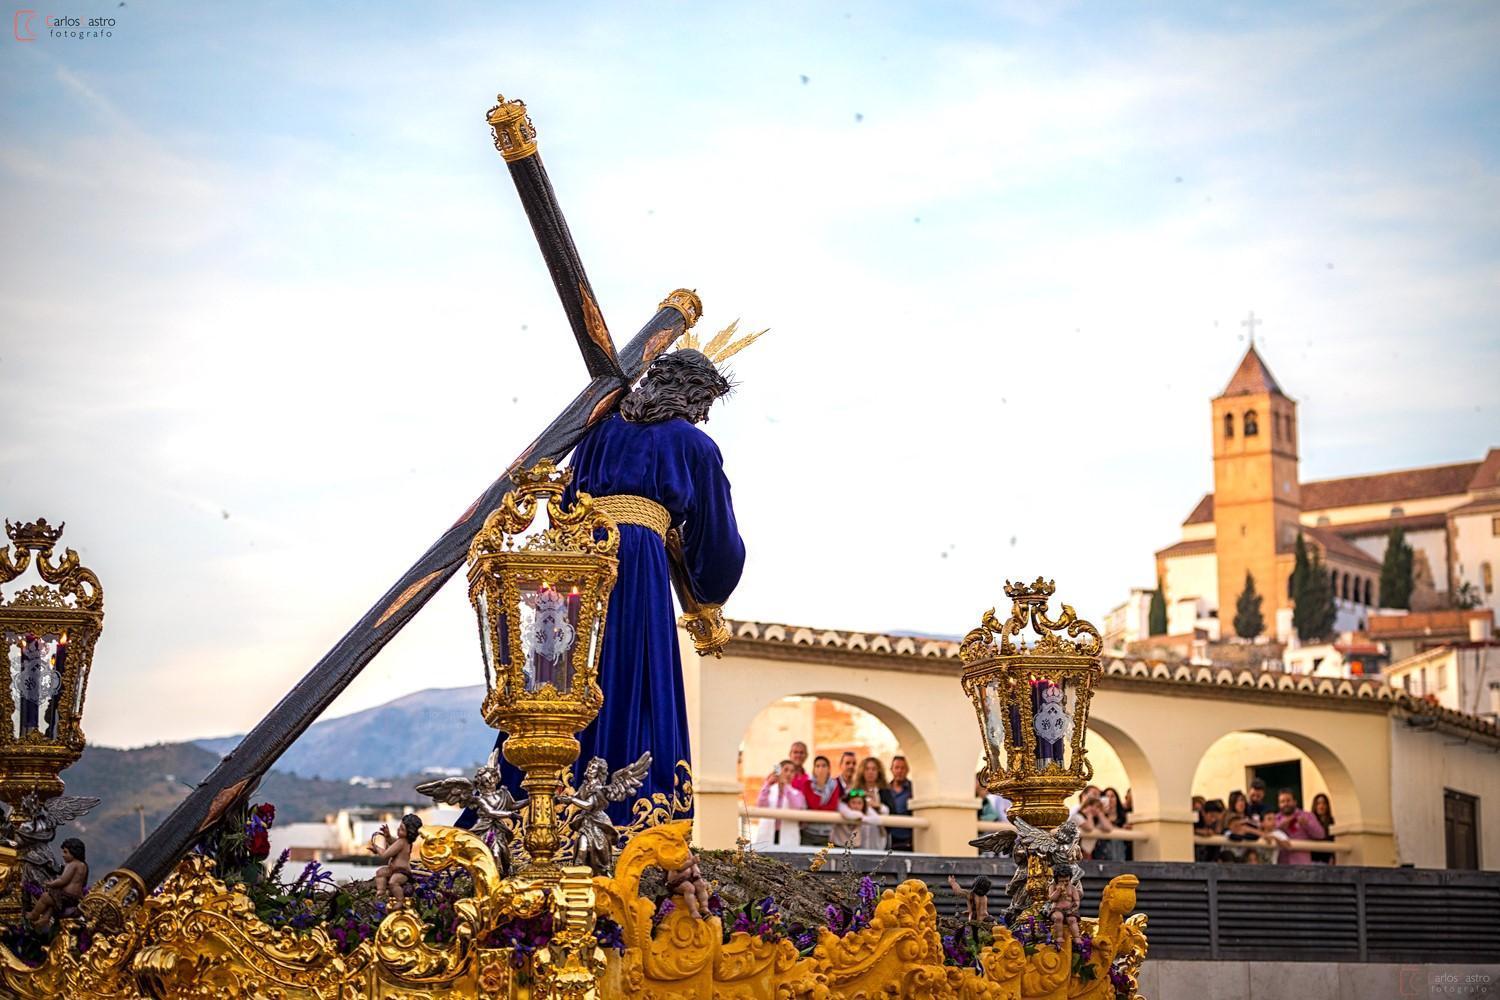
[(1312, 913)]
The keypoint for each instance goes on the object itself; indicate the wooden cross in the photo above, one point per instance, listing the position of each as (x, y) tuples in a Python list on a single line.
[(611, 371), (1250, 323)]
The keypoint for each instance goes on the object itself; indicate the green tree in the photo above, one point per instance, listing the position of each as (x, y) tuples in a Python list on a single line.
[(1156, 618), (1299, 573), (1313, 610), (1468, 596), (1248, 621), (1395, 571)]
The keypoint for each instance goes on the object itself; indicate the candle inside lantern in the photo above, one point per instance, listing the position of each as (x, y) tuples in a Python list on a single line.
[(1050, 722), (59, 662)]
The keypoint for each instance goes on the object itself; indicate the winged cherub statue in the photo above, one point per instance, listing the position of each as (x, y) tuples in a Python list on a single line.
[(31, 827), (490, 800), (1058, 850), (595, 832)]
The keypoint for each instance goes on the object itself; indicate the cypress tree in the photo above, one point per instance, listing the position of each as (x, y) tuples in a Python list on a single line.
[(1156, 618), (1314, 612), (1396, 571), (1296, 584), (1248, 621)]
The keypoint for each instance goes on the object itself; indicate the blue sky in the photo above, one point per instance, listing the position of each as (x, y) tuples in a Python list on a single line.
[(270, 314)]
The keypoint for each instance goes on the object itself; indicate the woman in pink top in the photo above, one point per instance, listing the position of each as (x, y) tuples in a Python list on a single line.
[(780, 792), (822, 792)]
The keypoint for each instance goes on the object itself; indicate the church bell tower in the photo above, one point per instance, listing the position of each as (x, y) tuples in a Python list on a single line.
[(1257, 496)]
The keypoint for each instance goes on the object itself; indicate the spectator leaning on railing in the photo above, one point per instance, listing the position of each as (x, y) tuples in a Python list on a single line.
[(848, 766), (780, 792), (897, 798), (1297, 824), (992, 805), (1093, 819), (864, 809), (1257, 806), (797, 754), (822, 792), (1114, 811), (1323, 810), (1210, 824)]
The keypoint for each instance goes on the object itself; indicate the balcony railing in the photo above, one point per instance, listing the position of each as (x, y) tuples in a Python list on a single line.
[(823, 818), (1287, 913)]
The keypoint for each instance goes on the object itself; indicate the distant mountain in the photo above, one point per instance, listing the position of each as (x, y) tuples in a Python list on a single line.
[(438, 727), (155, 779)]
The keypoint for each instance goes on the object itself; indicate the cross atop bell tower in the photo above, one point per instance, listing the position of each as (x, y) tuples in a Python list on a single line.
[(1257, 495)]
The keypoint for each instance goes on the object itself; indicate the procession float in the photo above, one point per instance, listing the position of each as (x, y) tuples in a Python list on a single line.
[(573, 871)]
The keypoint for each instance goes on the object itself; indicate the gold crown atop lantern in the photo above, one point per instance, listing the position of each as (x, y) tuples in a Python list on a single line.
[(72, 586), (36, 534), (578, 528), (1066, 636)]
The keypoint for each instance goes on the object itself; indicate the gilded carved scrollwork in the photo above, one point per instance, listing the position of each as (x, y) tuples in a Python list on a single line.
[(197, 938), (898, 954)]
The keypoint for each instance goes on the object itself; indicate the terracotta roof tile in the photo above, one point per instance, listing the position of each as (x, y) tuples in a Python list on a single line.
[(1487, 476), (1251, 377), (1383, 526), (1204, 512), (1481, 504), (1445, 623), (1386, 487), (1194, 547), (1334, 544)]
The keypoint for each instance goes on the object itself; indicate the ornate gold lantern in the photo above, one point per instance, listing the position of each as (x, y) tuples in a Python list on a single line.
[(48, 631), (541, 602), (1033, 702)]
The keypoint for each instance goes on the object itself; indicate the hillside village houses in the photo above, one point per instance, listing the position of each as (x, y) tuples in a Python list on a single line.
[(1250, 522)]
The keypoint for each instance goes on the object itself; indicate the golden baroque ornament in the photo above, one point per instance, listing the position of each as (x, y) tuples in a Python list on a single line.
[(197, 938)]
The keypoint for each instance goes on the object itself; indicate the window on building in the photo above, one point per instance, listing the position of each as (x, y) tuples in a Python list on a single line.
[(1487, 577), (1461, 828), (1495, 526), (1344, 587), (1289, 581), (1442, 676), (1229, 433), (1252, 424), (1398, 511)]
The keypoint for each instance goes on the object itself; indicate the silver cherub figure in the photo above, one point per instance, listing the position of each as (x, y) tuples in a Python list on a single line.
[(595, 832), (1059, 850), (489, 798), (31, 827)]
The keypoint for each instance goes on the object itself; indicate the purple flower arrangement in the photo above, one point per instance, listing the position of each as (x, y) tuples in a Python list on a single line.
[(525, 936), (609, 934)]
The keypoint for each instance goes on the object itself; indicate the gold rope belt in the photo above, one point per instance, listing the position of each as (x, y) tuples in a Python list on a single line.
[(625, 508)]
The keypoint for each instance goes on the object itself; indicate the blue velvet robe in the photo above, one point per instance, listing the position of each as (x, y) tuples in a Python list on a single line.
[(640, 669)]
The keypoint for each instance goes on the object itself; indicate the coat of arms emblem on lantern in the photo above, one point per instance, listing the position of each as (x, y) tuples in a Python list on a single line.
[(541, 599), (48, 630)]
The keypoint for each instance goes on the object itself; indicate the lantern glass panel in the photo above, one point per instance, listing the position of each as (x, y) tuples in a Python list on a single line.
[(1053, 702), (549, 632), (35, 682), (992, 694), (486, 643)]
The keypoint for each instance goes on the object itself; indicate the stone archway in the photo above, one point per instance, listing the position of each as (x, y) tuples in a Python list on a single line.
[(1144, 788), (938, 734)]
